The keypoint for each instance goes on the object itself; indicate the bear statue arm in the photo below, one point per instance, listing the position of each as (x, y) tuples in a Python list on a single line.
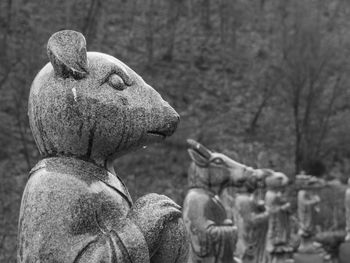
[(72, 227), (123, 243), (133, 242), (116, 246)]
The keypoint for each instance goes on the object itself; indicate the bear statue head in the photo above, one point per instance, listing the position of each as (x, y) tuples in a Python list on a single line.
[(92, 106)]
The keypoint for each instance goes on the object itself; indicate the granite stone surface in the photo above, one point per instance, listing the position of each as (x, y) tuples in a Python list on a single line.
[(85, 110)]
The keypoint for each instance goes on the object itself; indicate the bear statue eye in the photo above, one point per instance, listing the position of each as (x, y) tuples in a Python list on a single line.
[(115, 81), (218, 161)]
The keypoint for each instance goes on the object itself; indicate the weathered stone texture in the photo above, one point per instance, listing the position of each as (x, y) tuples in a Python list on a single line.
[(86, 109)]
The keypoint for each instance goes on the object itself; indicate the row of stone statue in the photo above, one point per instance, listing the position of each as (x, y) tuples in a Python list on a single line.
[(254, 223), (88, 108)]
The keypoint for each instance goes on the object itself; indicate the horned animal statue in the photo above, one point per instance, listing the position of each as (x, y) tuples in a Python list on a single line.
[(85, 110), (213, 235)]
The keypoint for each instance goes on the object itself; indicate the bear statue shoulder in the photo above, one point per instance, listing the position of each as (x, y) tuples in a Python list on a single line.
[(85, 110)]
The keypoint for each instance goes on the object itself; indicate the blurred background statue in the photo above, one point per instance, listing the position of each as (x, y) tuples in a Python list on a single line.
[(347, 209), (213, 235), (278, 244), (252, 221), (344, 249), (308, 207)]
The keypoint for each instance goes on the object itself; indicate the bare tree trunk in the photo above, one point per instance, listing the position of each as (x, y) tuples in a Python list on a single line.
[(233, 16), (325, 122), (91, 19), (132, 14), (4, 52), (150, 30), (173, 17), (7, 26), (205, 18), (100, 26), (266, 96), (223, 37), (21, 130), (191, 33), (69, 8), (298, 135)]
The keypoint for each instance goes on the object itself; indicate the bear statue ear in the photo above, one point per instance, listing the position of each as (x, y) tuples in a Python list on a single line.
[(198, 159), (67, 53)]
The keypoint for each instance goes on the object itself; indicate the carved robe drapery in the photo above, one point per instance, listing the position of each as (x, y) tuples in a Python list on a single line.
[(213, 237), (84, 222), (307, 211), (252, 229), (278, 235)]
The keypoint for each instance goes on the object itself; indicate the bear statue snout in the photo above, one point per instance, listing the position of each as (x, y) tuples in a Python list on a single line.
[(167, 122), (172, 119)]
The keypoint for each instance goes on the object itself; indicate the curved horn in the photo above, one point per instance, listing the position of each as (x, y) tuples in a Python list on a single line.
[(199, 148)]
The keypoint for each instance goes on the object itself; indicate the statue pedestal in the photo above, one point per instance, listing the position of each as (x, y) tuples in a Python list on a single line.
[(308, 258), (344, 252)]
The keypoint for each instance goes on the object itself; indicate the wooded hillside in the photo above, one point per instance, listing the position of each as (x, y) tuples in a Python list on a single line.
[(266, 82)]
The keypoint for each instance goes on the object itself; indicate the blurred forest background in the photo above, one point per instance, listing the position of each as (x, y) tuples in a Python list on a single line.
[(265, 81)]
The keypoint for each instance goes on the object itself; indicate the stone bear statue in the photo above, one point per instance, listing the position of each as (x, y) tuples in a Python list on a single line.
[(85, 110)]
